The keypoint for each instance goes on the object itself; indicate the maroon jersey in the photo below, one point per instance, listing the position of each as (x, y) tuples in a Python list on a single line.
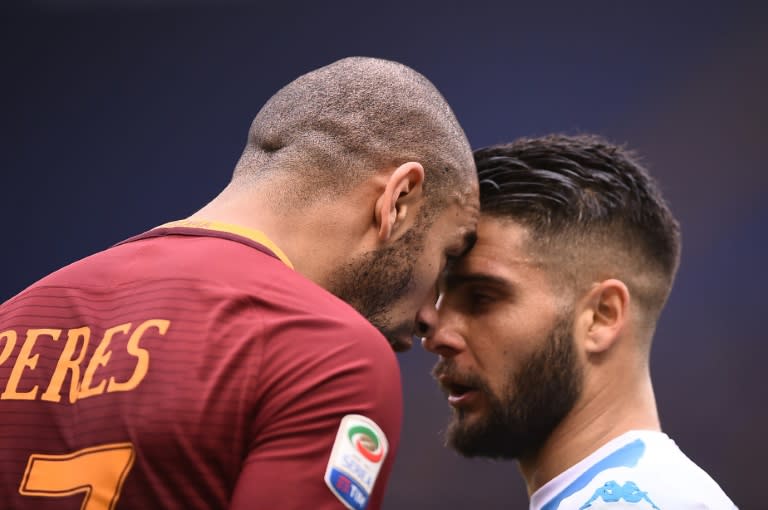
[(192, 368)]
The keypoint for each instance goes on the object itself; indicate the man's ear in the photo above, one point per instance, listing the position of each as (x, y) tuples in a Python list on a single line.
[(605, 314), (401, 195)]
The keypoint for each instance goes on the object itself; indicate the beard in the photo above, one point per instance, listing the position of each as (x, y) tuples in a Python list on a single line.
[(372, 282), (534, 401)]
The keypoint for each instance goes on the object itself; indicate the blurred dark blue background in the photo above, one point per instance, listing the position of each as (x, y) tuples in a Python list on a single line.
[(118, 116)]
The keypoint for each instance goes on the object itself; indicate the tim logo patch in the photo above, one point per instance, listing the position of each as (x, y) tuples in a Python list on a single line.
[(357, 456)]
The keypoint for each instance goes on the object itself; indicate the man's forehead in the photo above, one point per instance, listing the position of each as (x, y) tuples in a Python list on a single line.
[(493, 269), (500, 244)]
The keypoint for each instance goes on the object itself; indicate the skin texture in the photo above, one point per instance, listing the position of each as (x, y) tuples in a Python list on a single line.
[(386, 284), (507, 356), (517, 351), (544, 330), (361, 174), (370, 246)]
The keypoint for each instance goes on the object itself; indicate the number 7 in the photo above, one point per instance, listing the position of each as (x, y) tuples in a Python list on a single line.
[(99, 472)]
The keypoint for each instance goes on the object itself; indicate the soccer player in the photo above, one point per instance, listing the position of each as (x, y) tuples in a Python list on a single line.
[(215, 362), (545, 329)]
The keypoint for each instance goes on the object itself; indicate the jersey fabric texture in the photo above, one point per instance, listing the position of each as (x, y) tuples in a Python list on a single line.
[(186, 368), (638, 470)]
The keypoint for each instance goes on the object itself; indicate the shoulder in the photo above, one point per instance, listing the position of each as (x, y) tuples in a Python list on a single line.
[(314, 341), (329, 341), (322, 361), (647, 471), (639, 491), (297, 312)]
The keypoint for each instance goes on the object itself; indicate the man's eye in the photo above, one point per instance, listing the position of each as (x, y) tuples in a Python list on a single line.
[(480, 298), (477, 301)]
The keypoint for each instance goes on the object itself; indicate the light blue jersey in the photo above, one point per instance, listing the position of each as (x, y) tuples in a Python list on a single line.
[(639, 470)]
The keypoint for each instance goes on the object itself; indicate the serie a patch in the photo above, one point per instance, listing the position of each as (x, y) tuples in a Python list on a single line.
[(356, 459)]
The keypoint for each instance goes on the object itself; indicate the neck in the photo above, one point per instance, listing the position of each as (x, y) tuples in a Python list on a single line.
[(314, 240), (609, 412)]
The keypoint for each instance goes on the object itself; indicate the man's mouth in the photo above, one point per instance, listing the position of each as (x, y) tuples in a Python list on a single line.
[(458, 394)]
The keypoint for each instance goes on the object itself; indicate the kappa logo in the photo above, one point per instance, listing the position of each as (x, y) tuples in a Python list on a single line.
[(612, 492), (356, 459)]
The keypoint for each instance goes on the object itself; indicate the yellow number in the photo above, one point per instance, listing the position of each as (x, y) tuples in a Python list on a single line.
[(98, 472)]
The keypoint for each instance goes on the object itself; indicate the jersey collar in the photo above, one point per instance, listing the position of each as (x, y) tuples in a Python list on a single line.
[(249, 233)]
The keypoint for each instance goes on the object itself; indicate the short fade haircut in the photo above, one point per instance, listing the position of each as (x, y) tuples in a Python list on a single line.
[(332, 127), (590, 208)]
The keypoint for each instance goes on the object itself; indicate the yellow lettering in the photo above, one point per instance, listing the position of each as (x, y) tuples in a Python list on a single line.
[(26, 361), (96, 474), (142, 355), (68, 363), (100, 358), (10, 338)]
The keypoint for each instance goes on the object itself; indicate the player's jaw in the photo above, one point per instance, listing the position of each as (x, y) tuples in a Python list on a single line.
[(538, 393), (377, 284), (399, 334)]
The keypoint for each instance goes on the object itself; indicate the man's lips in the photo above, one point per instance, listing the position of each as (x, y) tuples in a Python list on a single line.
[(459, 395), (463, 399)]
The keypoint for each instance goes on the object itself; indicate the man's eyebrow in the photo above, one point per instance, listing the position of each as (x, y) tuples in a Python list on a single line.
[(453, 280)]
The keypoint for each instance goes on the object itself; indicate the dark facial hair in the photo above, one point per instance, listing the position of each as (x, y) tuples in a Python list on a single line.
[(373, 282), (535, 400)]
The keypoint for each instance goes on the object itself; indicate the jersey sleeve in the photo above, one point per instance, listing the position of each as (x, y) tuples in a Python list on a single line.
[(327, 422)]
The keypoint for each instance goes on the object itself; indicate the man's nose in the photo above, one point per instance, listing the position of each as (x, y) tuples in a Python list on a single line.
[(426, 318), (426, 322), (444, 338)]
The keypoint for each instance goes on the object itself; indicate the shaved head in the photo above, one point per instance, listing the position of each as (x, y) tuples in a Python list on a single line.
[(335, 126)]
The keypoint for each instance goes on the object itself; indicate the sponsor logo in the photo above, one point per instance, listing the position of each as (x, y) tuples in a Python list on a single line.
[(366, 442), (356, 459), (612, 492)]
